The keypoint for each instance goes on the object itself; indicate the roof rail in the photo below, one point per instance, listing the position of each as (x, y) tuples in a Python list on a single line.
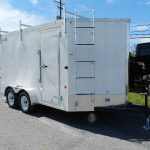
[(73, 15), (24, 25)]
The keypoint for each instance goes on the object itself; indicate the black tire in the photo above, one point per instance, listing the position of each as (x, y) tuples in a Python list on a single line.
[(25, 103), (11, 98)]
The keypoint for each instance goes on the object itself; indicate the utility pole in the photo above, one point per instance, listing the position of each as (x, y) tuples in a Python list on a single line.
[(60, 6), (60, 9)]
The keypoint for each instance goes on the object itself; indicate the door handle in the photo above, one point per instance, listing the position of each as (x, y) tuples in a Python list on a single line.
[(44, 66)]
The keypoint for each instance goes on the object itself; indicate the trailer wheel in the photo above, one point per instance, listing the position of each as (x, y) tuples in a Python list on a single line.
[(25, 103), (11, 98)]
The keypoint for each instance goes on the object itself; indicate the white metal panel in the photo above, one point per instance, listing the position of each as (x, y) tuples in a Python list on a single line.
[(111, 58), (50, 75), (20, 66), (85, 86), (85, 53), (85, 36), (85, 23), (85, 69), (0, 64)]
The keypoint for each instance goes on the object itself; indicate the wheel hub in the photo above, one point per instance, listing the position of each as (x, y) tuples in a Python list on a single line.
[(24, 102), (11, 99)]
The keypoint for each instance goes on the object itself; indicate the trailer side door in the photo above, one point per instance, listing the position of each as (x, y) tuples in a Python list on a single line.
[(50, 65)]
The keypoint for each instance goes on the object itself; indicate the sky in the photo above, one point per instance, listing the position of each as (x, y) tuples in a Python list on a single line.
[(35, 12)]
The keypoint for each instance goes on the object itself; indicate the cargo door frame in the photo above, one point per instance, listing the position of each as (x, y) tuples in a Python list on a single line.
[(42, 66)]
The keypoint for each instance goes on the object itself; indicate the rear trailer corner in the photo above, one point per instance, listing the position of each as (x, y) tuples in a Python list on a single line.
[(98, 63)]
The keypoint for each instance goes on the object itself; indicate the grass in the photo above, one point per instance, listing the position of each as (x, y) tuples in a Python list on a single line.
[(136, 98)]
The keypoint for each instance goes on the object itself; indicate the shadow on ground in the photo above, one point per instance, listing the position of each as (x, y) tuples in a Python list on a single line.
[(122, 125)]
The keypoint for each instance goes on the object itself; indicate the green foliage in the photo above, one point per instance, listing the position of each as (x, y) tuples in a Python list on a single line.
[(136, 98), (132, 53)]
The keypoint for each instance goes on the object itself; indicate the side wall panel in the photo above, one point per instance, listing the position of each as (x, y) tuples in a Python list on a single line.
[(20, 63)]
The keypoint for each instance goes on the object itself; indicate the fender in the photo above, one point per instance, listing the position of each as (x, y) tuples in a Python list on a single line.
[(31, 92)]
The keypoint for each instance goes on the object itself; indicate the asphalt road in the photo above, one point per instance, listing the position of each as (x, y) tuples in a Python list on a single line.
[(50, 129)]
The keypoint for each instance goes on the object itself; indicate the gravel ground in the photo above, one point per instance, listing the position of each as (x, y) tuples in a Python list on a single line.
[(50, 129)]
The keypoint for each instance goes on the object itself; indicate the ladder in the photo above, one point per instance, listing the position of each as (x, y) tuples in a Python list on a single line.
[(79, 46)]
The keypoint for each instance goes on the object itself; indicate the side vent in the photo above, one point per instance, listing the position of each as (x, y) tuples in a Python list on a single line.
[(107, 100)]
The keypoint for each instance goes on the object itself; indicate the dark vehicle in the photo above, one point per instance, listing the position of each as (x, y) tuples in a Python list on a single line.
[(143, 50), (139, 70), (143, 55)]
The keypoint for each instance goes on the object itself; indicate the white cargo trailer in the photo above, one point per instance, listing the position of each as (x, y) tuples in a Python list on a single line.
[(73, 65)]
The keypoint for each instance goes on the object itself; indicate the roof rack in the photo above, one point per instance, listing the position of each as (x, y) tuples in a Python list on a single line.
[(2, 31), (20, 28), (73, 15)]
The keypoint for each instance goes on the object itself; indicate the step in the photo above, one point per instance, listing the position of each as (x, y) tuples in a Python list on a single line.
[(85, 61), (86, 94), (84, 44), (85, 27), (85, 77)]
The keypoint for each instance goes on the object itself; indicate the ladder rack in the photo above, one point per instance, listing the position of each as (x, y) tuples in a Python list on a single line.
[(2, 31), (20, 28)]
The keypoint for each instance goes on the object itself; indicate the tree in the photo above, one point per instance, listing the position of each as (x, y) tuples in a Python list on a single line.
[(132, 53)]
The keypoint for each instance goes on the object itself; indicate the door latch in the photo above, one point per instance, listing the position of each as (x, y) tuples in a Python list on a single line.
[(44, 66)]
